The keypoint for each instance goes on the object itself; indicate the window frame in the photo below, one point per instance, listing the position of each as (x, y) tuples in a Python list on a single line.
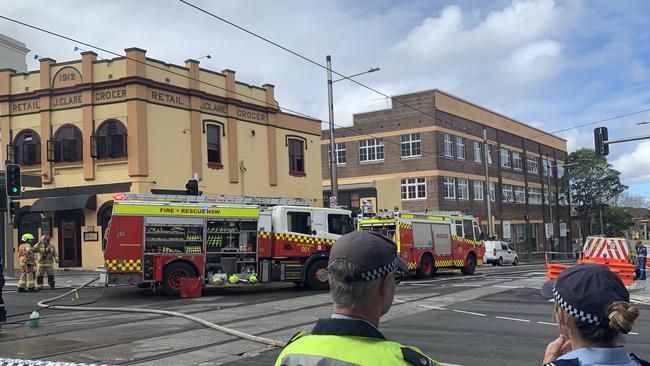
[(59, 144), (417, 184), (493, 192), (411, 143), (448, 145), (478, 187), (478, 152), (505, 163), (448, 182), (532, 164), (109, 141), (507, 193), (296, 155), (310, 223), (517, 163), (349, 222), (219, 130), (377, 147), (463, 189), (18, 148), (520, 194), (535, 196), (460, 148)]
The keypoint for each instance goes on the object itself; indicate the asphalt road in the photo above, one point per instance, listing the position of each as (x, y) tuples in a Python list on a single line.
[(495, 317)]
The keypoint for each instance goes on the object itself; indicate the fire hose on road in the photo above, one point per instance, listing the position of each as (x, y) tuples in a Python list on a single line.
[(44, 304)]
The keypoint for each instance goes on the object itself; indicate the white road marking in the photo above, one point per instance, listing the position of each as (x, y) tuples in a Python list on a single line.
[(469, 312), (399, 301), (514, 319), (551, 300), (536, 273), (546, 323), (432, 307), (467, 285), (505, 286), (633, 333)]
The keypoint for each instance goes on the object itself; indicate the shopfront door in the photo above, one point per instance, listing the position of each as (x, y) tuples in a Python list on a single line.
[(70, 243)]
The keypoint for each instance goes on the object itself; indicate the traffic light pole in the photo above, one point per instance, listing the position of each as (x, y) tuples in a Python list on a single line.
[(9, 240)]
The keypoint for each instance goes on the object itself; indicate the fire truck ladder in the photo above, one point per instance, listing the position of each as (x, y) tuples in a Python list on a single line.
[(235, 200)]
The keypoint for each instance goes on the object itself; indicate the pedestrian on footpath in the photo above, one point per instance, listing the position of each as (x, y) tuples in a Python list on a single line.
[(26, 261), (361, 271), (593, 311), (641, 257), (46, 256)]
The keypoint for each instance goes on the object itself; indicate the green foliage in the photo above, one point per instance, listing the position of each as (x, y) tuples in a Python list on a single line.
[(592, 183), (617, 220)]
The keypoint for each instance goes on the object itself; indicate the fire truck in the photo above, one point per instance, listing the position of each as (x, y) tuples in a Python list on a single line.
[(428, 241), (157, 240)]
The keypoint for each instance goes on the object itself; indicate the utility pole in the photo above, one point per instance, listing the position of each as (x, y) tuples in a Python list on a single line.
[(488, 196), (550, 203), (330, 101), (9, 238)]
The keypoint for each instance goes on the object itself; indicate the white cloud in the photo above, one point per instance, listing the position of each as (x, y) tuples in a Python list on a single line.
[(635, 166)]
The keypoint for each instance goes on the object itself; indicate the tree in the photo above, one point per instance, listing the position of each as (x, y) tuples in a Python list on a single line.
[(627, 199), (592, 184), (617, 221)]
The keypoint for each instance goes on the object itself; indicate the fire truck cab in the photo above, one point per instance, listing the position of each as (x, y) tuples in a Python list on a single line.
[(428, 241), (160, 239)]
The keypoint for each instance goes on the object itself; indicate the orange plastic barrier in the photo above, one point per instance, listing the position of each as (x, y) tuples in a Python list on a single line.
[(553, 270), (624, 270)]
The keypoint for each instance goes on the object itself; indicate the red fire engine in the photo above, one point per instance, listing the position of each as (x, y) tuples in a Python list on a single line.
[(430, 241), (161, 239)]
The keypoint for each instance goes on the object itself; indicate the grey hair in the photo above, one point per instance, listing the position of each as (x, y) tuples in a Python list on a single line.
[(349, 295)]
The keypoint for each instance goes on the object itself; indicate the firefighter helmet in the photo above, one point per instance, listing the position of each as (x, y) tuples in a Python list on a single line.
[(27, 236)]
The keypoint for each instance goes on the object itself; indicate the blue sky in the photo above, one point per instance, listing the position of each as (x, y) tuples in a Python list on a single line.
[(552, 64)]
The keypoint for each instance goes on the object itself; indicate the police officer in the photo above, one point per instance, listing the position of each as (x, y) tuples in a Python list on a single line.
[(361, 269), (26, 261), (44, 262), (641, 257)]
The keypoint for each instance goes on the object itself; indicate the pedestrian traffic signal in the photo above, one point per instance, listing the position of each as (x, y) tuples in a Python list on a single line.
[(600, 141), (192, 187), (13, 180)]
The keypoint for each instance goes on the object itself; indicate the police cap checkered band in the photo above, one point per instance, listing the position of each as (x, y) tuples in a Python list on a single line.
[(585, 291), (375, 254)]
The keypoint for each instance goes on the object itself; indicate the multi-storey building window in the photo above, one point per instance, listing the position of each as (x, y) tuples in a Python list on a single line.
[(460, 148), (478, 190), (296, 157), (414, 188), (506, 191), (520, 194), (546, 167), (505, 158), (531, 164), (371, 150), (463, 189), (489, 155), (65, 145), (478, 152), (449, 145), (26, 149), (213, 136), (341, 156), (534, 196), (560, 171), (493, 191), (517, 164), (411, 145), (562, 199), (109, 141), (553, 196), (450, 187)]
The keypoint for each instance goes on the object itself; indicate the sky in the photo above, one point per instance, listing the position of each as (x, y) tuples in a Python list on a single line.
[(551, 64)]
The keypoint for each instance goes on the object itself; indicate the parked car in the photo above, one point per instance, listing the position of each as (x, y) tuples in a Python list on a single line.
[(499, 253)]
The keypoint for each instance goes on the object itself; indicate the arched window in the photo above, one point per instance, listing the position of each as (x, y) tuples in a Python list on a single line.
[(26, 149), (109, 141), (66, 144)]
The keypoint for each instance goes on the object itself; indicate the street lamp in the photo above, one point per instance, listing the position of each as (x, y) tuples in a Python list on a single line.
[(330, 100), (550, 203)]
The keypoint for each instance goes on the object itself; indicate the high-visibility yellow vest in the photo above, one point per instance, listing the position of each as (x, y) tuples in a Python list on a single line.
[(348, 345)]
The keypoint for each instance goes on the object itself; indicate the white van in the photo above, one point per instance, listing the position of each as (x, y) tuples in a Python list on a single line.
[(499, 253)]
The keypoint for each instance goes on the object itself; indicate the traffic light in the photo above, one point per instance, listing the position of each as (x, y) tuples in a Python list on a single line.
[(15, 206), (13, 180), (600, 138), (192, 187)]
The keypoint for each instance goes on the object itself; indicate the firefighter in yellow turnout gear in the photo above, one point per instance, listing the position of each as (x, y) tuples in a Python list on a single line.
[(26, 261), (44, 261)]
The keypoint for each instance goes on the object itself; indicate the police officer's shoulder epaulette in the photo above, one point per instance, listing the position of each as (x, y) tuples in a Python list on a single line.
[(636, 359), (570, 362), (294, 337), (416, 358)]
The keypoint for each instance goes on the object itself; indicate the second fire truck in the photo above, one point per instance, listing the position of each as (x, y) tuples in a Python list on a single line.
[(428, 241), (159, 240)]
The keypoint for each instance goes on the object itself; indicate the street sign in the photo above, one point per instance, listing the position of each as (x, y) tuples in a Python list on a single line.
[(548, 229), (563, 229), (333, 201), (507, 230)]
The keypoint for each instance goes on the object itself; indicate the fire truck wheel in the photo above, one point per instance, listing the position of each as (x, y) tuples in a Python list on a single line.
[(470, 264), (427, 268), (172, 276), (317, 278)]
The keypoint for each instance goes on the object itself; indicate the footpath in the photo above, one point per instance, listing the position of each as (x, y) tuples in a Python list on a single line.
[(63, 279)]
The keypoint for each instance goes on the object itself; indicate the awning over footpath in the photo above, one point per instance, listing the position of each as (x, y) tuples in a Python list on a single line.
[(87, 201)]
